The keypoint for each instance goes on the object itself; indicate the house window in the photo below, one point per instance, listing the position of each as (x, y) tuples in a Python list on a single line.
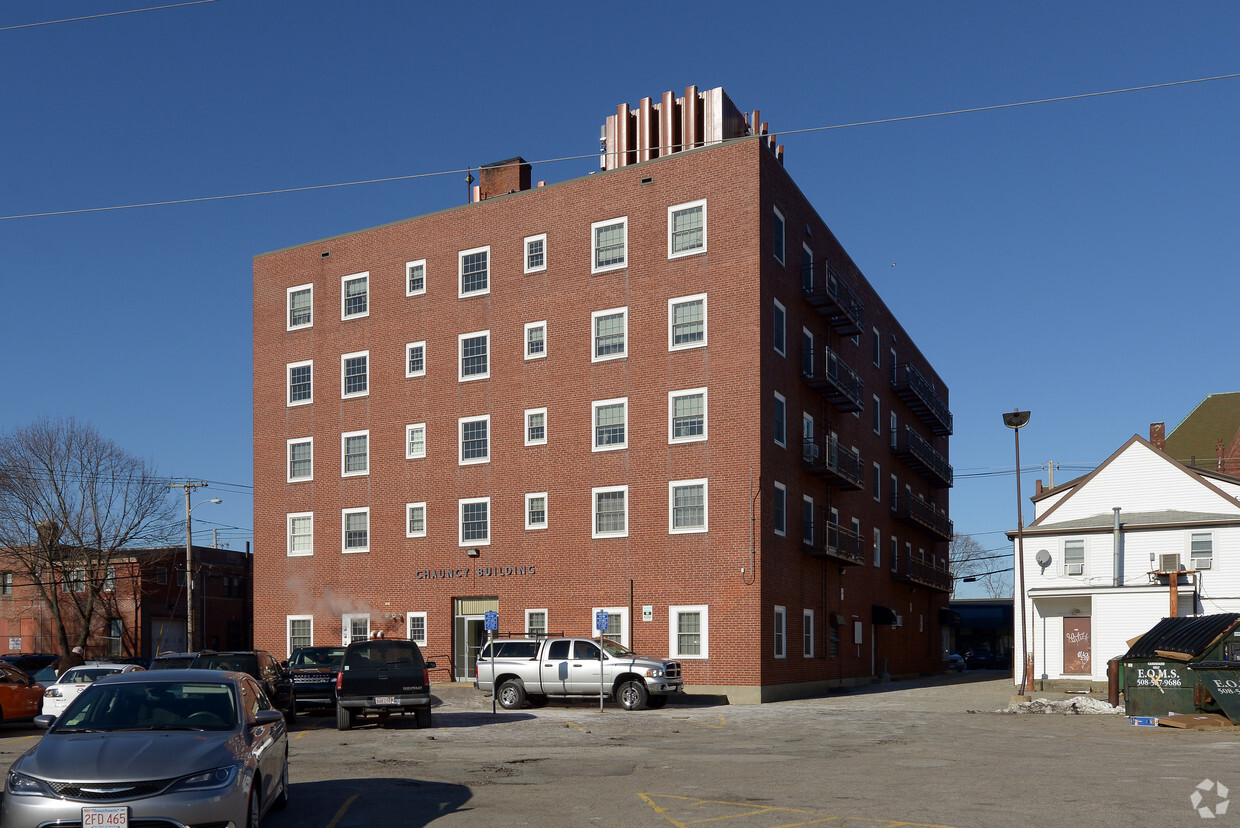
[(536, 510), (895, 493), (474, 266), (609, 244), (109, 579), (415, 359), (300, 631), (355, 374), (617, 628), (415, 520), (611, 511), (416, 624), (876, 484), (356, 524), (475, 355), (610, 424), (415, 441), (895, 554), (610, 334), (778, 244), (877, 341), (780, 427), (535, 340), (686, 229), (355, 453), (894, 424), (780, 323), (686, 321), (415, 277), (688, 631), (878, 548), (355, 296), (535, 426), (687, 506), (781, 632), (535, 253), (475, 518), (300, 534), (475, 439), (807, 269), (535, 622), (300, 307), (807, 633), (876, 418), (354, 627), (301, 459), (780, 509), (686, 413), (1074, 557), (1201, 550), (161, 575), (807, 520), (807, 352), (6, 582), (300, 390)]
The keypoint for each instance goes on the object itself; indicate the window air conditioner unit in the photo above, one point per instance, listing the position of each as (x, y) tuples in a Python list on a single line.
[(1169, 562), (1076, 569), (1203, 563), (811, 452)]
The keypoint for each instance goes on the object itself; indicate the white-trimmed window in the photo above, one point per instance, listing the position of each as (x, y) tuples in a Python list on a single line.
[(1201, 550), (779, 327), (355, 525), (475, 521), (355, 296), (689, 631), (611, 511), (475, 353), (876, 417), (535, 426), (415, 359), (609, 334), (877, 341), (355, 626), (807, 268), (894, 425), (415, 441), (686, 415), (807, 633), (780, 509), (535, 622), (300, 307), (807, 352), (807, 519), (300, 533), (878, 547), (415, 626), (876, 484), (355, 375), (686, 229), (536, 253), (474, 437), (300, 382), (300, 459), (475, 271), (780, 423), (609, 244), (687, 506), (611, 424), (778, 233), (300, 632), (686, 322), (895, 553), (781, 632), (535, 340), (1074, 557), (354, 453), (415, 277), (536, 510), (415, 520)]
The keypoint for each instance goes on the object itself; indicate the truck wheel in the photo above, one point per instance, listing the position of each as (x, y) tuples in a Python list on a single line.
[(538, 700), (656, 702), (423, 715), (344, 718), (511, 694), (632, 695)]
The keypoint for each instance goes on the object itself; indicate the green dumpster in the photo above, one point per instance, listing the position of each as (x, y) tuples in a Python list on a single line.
[(1159, 675)]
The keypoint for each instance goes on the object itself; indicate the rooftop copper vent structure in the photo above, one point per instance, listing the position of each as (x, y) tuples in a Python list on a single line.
[(653, 130)]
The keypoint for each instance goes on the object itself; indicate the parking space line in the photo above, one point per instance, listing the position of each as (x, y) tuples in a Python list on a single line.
[(343, 808), (574, 724), (690, 811)]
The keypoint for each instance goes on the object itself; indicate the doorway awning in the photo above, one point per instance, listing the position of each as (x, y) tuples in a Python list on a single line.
[(882, 615)]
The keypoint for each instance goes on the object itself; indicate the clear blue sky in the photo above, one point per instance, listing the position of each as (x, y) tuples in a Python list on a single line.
[(1077, 259)]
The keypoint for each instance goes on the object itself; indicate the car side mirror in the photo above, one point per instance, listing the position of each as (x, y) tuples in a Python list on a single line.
[(430, 665), (284, 665), (266, 717)]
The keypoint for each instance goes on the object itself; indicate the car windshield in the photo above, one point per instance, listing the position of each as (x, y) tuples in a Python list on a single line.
[(310, 657), (617, 650), (240, 662), (153, 705), (375, 654), (85, 675), (172, 662)]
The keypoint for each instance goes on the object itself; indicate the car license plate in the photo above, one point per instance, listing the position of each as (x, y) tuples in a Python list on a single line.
[(385, 700), (111, 817)]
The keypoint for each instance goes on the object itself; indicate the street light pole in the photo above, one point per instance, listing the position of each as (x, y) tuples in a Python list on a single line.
[(189, 486), (1016, 421)]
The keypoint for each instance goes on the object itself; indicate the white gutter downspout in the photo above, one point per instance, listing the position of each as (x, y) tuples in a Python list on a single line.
[(1118, 566)]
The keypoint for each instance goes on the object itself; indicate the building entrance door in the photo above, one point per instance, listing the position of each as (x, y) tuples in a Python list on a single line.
[(469, 634)]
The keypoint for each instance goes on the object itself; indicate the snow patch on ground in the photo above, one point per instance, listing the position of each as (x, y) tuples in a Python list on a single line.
[(1080, 706)]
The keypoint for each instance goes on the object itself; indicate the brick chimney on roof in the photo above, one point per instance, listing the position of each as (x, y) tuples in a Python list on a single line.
[(1158, 435), (503, 177)]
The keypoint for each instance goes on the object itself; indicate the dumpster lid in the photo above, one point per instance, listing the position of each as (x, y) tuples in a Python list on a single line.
[(1182, 635)]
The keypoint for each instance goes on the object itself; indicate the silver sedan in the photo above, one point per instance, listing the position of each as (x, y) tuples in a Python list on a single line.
[(167, 747)]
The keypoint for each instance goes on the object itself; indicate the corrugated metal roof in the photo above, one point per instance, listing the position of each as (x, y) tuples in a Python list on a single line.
[(1182, 635), (1106, 520)]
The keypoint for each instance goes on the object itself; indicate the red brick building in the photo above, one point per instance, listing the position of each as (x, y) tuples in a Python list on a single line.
[(663, 390)]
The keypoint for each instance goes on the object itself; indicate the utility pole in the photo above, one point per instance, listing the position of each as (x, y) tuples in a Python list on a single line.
[(188, 486)]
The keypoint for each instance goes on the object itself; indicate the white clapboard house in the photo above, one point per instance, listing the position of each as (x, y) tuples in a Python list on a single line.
[(1097, 554)]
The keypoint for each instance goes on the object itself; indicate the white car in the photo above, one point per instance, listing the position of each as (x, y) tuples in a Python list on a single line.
[(76, 679)]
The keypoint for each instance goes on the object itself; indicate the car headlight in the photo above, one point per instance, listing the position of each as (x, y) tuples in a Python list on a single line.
[(19, 784), (654, 672), (52, 693), (215, 778)]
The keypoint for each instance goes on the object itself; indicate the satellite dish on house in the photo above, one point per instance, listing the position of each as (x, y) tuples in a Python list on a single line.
[(1043, 558)]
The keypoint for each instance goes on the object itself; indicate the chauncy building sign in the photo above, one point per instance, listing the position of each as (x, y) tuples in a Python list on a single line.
[(480, 572)]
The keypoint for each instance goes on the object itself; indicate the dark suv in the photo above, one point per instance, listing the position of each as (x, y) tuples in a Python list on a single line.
[(314, 675), (273, 675), (380, 677)]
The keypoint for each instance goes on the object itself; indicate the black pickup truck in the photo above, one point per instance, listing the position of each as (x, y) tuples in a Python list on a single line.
[(380, 677)]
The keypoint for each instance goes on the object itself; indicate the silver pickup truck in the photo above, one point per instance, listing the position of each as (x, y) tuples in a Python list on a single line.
[(537, 669)]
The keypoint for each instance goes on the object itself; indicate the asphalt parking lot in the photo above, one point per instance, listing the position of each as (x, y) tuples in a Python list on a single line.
[(921, 752)]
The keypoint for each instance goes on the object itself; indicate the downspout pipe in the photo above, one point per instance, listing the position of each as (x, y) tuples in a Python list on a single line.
[(1118, 565)]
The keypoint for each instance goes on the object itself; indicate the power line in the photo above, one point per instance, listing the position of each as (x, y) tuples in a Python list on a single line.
[(413, 176), (106, 14)]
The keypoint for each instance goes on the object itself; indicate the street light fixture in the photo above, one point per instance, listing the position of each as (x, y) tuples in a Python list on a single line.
[(1017, 420), (189, 567)]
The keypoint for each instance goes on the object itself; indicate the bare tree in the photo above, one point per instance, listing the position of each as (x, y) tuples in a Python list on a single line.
[(970, 560), (70, 502)]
